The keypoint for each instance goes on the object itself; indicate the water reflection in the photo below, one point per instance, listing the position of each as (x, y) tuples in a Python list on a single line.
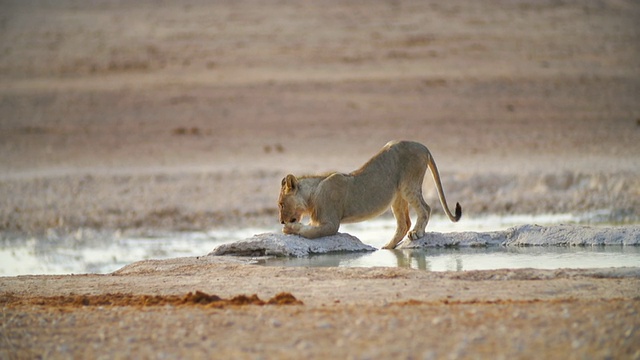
[(418, 259), (462, 259)]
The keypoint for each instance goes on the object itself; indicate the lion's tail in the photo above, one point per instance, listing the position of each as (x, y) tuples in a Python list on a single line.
[(443, 201)]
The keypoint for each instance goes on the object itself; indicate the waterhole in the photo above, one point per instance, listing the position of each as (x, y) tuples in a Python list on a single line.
[(87, 251)]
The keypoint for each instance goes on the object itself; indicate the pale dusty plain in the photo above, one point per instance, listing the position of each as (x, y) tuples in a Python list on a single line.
[(159, 116)]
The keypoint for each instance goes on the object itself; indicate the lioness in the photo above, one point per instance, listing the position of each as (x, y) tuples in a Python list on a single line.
[(393, 177)]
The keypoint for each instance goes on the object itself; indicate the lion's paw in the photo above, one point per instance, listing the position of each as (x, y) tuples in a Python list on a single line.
[(292, 228), (415, 235)]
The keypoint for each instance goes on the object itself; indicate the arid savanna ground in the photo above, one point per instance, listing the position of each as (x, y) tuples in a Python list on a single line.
[(167, 116)]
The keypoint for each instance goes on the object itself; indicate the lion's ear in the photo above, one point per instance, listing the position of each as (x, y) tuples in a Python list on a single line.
[(290, 183)]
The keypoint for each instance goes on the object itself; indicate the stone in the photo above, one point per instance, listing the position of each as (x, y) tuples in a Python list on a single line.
[(532, 235), (573, 235), (456, 239), (271, 244)]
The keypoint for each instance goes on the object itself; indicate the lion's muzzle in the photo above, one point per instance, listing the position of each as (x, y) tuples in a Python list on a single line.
[(291, 221)]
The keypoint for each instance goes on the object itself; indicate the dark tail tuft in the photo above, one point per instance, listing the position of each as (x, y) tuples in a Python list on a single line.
[(458, 212)]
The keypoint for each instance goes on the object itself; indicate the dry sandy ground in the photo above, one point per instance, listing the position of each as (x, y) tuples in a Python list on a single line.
[(142, 116), (346, 313)]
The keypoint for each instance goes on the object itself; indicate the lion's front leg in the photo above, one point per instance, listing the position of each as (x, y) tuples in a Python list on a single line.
[(311, 231)]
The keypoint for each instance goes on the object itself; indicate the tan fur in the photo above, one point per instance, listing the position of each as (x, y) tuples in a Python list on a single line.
[(393, 177)]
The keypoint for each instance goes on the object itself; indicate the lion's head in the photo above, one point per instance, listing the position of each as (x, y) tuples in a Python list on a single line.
[(291, 206)]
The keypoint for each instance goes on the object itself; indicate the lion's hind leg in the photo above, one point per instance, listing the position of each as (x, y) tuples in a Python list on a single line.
[(400, 208), (423, 210)]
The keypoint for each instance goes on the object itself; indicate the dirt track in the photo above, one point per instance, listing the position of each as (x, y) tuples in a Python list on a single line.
[(135, 116)]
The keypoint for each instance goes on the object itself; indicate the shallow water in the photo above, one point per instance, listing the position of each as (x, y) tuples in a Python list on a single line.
[(440, 259), (94, 252)]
